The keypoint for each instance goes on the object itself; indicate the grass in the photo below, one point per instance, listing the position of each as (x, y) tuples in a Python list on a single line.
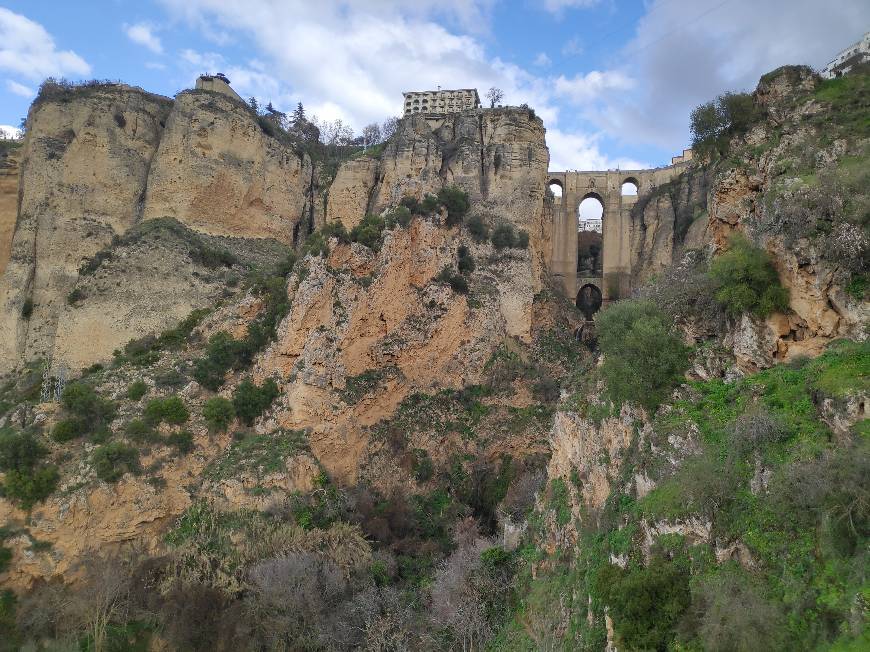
[(258, 454)]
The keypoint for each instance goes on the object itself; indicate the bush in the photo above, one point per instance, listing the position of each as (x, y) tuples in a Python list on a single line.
[(111, 461), (643, 358), (477, 227), (646, 603), (75, 296), (68, 429), (137, 390), (84, 402), (251, 401), (411, 204), (19, 451), (455, 200), (714, 123), (27, 308), (455, 281), (465, 264), (31, 486), (401, 215), (504, 236), (182, 441), (522, 240), (139, 431), (169, 410), (422, 467), (218, 413), (747, 282), (429, 204), (369, 231)]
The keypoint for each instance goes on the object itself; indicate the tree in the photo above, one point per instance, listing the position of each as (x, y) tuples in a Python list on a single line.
[(298, 115), (371, 134), (388, 128), (218, 413), (104, 598), (335, 133), (747, 281), (254, 104), (494, 95), (644, 358)]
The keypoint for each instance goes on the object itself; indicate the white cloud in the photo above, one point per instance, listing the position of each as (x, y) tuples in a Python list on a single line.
[(572, 48), (582, 89), (542, 60), (27, 49), (557, 6), (19, 89), (683, 54), (574, 151), (143, 34)]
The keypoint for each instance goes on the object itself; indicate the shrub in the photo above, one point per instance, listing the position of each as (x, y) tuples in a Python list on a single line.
[(455, 281), (422, 467), (465, 264), (429, 204), (477, 227), (31, 486), (27, 308), (218, 413), (504, 236), (400, 215), (251, 401), (170, 410), (369, 231), (182, 441), (410, 203), (75, 296), (455, 200), (137, 390), (84, 402), (522, 240), (643, 358), (747, 281), (713, 123), (139, 431), (112, 460), (19, 451), (68, 429), (647, 603)]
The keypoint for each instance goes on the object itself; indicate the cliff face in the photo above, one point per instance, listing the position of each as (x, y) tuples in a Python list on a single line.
[(99, 160), (217, 172), (84, 166), (8, 202), (498, 156)]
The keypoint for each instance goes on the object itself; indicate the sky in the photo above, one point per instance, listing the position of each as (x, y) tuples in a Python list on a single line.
[(613, 80)]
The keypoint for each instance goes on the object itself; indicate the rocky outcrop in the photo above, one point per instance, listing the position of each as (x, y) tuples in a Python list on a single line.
[(218, 172), (8, 202), (386, 314), (498, 156), (84, 166)]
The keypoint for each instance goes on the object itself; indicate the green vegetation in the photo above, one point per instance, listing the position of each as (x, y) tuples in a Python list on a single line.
[(504, 236), (355, 387), (644, 359), (369, 232), (137, 390), (713, 124), (111, 461), (477, 228), (169, 410), (457, 282), (28, 480), (251, 401), (146, 350), (258, 454), (747, 282), (218, 413)]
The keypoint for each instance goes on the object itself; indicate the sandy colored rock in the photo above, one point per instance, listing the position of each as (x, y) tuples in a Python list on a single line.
[(8, 203)]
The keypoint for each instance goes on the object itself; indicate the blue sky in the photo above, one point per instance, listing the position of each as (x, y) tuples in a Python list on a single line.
[(614, 80)]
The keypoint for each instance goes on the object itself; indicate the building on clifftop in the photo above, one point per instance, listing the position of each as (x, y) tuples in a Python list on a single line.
[(441, 102), (217, 83), (852, 56)]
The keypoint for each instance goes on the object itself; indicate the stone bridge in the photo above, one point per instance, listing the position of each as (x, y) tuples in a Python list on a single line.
[(608, 276)]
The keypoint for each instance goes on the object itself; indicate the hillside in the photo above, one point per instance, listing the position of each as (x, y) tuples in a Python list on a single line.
[(350, 408)]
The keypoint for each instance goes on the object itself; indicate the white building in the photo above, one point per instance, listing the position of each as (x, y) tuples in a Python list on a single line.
[(440, 102), (855, 54)]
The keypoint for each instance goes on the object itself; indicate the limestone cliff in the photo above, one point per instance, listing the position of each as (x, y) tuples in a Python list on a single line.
[(498, 156), (218, 172), (8, 202), (83, 171)]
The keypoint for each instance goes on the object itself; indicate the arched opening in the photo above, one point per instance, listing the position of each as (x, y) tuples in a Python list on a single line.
[(555, 187), (630, 187), (589, 300), (590, 240)]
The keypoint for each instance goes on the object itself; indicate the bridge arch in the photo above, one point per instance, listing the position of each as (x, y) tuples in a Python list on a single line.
[(630, 186), (555, 186), (589, 300)]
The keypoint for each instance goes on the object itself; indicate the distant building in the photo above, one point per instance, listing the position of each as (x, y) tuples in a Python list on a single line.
[(854, 55), (217, 83), (440, 102), (685, 157)]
